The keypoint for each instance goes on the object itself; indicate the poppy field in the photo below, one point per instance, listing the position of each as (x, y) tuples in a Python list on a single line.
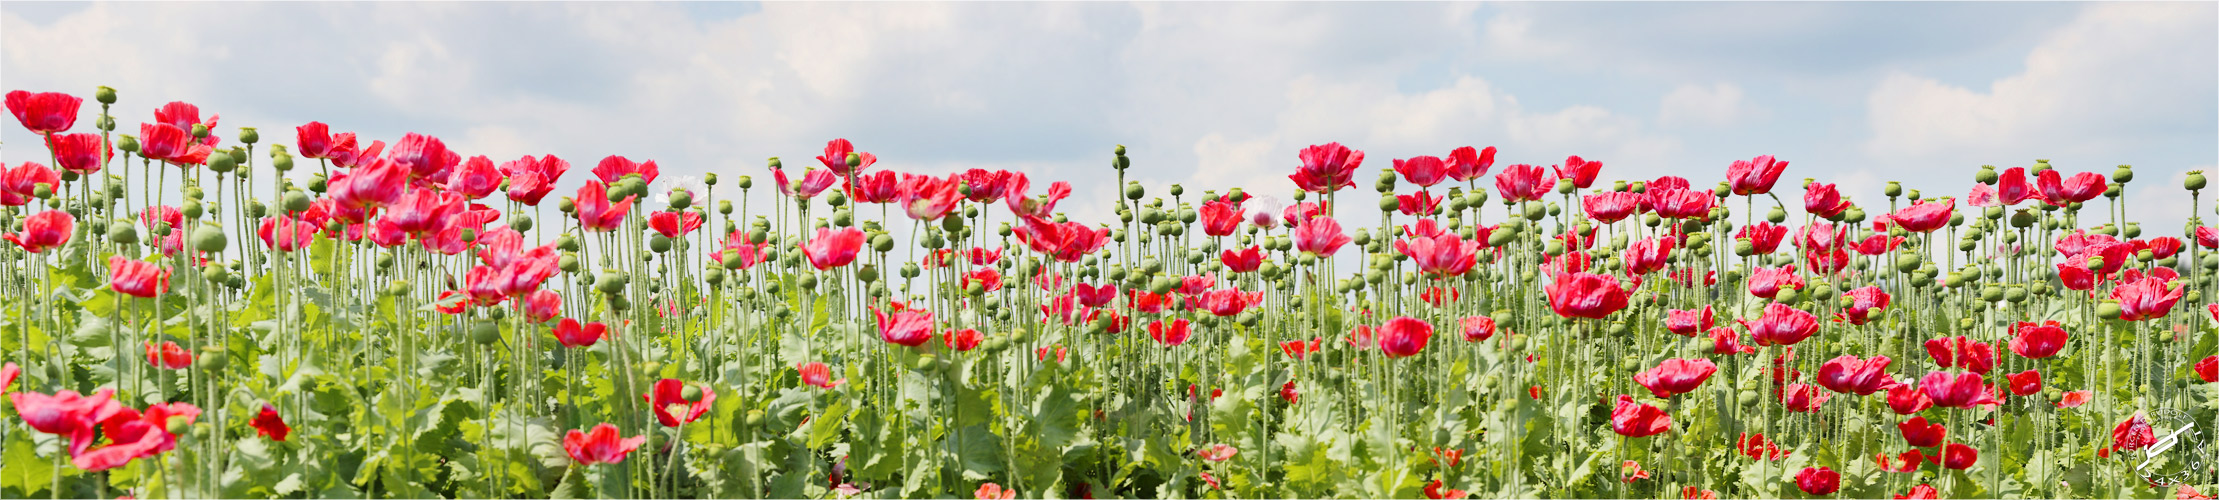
[(196, 310)]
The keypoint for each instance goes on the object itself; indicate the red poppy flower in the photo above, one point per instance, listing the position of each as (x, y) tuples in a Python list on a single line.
[(1320, 236), (1225, 302), (2146, 298), (1327, 168), (137, 278), (601, 446), (1520, 183), (1425, 171), (570, 333), (1962, 352), (1681, 203), (1920, 433), (1824, 200), (1781, 325), (66, 414), (2027, 382), (2133, 434), (818, 375), (1419, 204), (1676, 376), (1170, 333), (1766, 282), (835, 158), (80, 153), (1648, 255), (1864, 302), (8, 373), (1920, 492), (1956, 456), (1633, 419), (1849, 375), (962, 340), (1244, 260), (1435, 491), (1963, 390), (1288, 394), (43, 230), (1755, 176), (1217, 452), (1583, 295), (1065, 242), (44, 112), (541, 306), (991, 491), (595, 211), (1906, 399), (1581, 171), (1610, 207), (1441, 256), (668, 401), (1466, 163), (268, 423), (168, 355), (1818, 480), (1908, 461), (1404, 336), (2060, 191), (1804, 398), (906, 328), (1758, 447), (19, 185), (1688, 322)]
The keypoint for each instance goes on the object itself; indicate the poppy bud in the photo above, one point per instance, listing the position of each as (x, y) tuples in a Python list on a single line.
[(210, 238)]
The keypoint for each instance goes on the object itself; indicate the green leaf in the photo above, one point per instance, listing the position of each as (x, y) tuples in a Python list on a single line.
[(827, 426)]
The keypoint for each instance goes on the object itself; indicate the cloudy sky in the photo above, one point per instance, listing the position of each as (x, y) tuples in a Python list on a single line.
[(1208, 95)]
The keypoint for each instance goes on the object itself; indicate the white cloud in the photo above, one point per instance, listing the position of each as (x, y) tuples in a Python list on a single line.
[(1717, 105), (2117, 74)]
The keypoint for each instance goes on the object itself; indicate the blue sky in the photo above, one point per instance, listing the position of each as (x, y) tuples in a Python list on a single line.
[(1209, 95)]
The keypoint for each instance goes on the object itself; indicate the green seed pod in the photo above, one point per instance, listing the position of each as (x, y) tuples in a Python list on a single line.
[(1986, 175), (1134, 191), (1388, 202), (867, 273), (210, 238), (104, 94), (221, 163), (2124, 174), (1536, 211), (566, 243), (485, 333), (2108, 309), (127, 143), (1747, 398), (611, 282), (397, 288), (910, 270), (249, 136), (1777, 215), (123, 232), (2195, 180), (658, 243), (1163, 284), (212, 358), (2134, 230)]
